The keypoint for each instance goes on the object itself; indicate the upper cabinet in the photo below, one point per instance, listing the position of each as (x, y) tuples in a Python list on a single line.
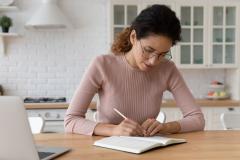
[(208, 35), (209, 29), (123, 12), (192, 49), (223, 38), (148, 3)]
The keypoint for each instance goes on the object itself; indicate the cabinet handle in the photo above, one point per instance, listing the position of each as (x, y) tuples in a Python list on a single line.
[(231, 109)]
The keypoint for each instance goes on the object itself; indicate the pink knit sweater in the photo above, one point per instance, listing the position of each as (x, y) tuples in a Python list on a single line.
[(137, 94)]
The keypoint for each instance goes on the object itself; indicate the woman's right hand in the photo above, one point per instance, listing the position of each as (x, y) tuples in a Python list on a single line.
[(128, 127)]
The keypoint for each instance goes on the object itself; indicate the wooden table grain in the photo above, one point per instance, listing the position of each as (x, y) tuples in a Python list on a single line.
[(205, 145)]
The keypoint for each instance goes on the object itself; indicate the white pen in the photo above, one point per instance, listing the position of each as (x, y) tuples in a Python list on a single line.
[(118, 112)]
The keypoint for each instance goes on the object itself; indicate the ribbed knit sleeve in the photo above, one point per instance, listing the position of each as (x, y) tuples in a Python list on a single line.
[(92, 80), (193, 119)]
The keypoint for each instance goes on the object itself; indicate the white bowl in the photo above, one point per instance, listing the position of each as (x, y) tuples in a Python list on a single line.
[(216, 86)]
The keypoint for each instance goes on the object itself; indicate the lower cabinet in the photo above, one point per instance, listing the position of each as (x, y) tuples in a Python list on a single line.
[(211, 114), (172, 113), (54, 118)]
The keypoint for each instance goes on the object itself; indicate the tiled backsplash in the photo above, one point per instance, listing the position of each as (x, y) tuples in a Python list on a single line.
[(198, 80), (51, 63)]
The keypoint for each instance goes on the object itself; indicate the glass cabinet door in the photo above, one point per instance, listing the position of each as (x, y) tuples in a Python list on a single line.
[(192, 43), (223, 35), (123, 15)]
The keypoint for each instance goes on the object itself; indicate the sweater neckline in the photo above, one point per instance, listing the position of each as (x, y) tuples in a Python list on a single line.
[(128, 65)]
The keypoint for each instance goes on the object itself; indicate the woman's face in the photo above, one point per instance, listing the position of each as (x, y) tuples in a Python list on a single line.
[(150, 51)]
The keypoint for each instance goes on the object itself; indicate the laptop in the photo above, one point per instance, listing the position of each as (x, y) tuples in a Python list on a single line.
[(16, 139)]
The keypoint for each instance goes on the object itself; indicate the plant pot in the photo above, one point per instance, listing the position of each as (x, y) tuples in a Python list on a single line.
[(5, 29)]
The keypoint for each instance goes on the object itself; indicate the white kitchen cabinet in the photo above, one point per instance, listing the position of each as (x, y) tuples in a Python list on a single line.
[(148, 3), (207, 116), (192, 48), (122, 14), (208, 35), (223, 38), (172, 113), (54, 118), (211, 115)]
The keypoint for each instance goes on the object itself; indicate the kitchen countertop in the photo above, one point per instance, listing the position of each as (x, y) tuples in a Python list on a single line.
[(207, 103), (167, 103), (53, 105)]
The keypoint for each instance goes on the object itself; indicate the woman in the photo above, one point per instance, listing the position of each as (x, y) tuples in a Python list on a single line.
[(133, 80)]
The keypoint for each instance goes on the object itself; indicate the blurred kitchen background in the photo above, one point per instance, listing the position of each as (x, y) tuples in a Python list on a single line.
[(43, 59)]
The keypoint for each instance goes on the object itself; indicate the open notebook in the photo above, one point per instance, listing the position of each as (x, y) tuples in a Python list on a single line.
[(136, 144)]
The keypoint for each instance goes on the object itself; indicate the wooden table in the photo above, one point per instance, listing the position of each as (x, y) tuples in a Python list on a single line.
[(207, 145)]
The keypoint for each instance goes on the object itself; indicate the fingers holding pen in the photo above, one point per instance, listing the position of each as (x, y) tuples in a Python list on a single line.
[(131, 127), (128, 128), (137, 127)]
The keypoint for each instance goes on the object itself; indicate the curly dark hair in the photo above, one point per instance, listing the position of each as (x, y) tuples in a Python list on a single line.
[(157, 19)]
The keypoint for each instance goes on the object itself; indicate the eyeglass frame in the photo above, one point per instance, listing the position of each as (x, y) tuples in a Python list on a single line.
[(159, 56)]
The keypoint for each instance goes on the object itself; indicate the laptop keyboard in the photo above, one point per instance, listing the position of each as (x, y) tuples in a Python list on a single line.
[(44, 154)]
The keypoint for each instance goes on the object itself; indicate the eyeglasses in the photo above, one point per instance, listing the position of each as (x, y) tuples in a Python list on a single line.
[(150, 54)]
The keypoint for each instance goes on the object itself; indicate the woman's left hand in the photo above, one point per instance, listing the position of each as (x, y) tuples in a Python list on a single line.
[(152, 127)]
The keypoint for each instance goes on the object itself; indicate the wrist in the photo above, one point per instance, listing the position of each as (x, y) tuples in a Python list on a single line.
[(164, 128), (170, 127), (112, 129), (104, 129)]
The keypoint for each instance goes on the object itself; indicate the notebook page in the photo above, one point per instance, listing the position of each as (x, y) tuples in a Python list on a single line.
[(162, 140), (156, 139), (127, 144)]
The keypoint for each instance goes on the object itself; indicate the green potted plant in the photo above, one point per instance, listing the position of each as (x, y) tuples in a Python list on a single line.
[(5, 23)]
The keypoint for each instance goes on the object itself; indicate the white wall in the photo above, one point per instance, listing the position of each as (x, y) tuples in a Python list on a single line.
[(51, 63), (233, 80)]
